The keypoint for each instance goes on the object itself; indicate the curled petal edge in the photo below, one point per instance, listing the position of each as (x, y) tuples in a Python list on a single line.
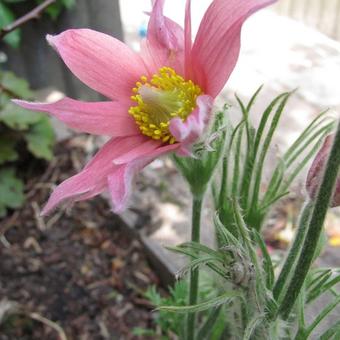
[(188, 131)]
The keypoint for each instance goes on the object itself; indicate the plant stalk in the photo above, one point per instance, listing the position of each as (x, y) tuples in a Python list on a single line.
[(33, 14), (314, 229), (194, 274), (294, 251)]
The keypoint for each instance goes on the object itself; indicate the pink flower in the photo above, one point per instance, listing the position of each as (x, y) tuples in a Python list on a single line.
[(315, 172), (160, 100)]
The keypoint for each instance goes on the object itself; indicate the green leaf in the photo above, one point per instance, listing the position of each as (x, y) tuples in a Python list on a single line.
[(208, 326), (224, 188), (317, 122), (169, 322), (54, 10), (253, 98), (18, 118), (40, 139), (265, 118), (18, 87), (322, 283), (201, 248), (7, 150), (7, 17), (212, 303), (254, 151), (153, 296), (179, 292), (68, 3), (274, 185), (282, 99), (237, 162), (251, 327), (224, 236), (326, 130), (2, 210), (138, 331), (271, 307), (4, 99), (317, 276), (13, 1), (193, 254), (246, 237), (330, 332), (11, 190), (307, 140), (267, 262), (322, 315), (219, 328), (249, 159), (194, 264), (300, 306)]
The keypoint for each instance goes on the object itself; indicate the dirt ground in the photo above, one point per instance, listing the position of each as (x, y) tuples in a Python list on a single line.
[(78, 268)]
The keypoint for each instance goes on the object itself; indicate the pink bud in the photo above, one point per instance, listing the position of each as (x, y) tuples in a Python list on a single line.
[(315, 173)]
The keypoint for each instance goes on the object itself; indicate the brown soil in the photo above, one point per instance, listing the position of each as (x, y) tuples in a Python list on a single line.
[(78, 268)]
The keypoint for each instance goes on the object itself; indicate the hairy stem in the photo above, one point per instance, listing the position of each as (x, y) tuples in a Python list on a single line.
[(294, 250), (314, 228), (194, 274)]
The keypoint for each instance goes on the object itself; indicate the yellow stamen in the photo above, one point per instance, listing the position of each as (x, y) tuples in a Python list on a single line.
[(165, 96)]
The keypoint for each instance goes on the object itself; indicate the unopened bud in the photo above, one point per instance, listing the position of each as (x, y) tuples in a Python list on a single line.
[(315, 173)]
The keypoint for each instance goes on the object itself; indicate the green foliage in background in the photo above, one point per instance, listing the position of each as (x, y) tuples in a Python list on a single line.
[(247, 295), (20, 131), (245, 303), (11, 190), (8, 15), (55, 9), (173, 324), (247, 157)]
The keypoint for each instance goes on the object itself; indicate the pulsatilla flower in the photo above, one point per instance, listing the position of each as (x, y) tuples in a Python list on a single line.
[(160, 99), (315, 173)]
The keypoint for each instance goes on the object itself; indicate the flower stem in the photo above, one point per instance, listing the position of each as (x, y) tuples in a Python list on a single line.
[(315, 225), (194, 274), (294, 251)]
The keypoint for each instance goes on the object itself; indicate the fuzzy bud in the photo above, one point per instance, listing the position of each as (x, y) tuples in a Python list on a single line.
[(315, 173)]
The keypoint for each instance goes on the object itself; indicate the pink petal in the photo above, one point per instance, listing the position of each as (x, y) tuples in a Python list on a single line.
[(217, 44), (100, 61), (191, 129), (100, 118), (164, 149), (142, 149), (120, 181), (119, 184), (187, 40), (164, 44), (150, 149), (92, 180)]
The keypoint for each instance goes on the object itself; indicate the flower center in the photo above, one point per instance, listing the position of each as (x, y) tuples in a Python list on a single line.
[(165, 96)]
